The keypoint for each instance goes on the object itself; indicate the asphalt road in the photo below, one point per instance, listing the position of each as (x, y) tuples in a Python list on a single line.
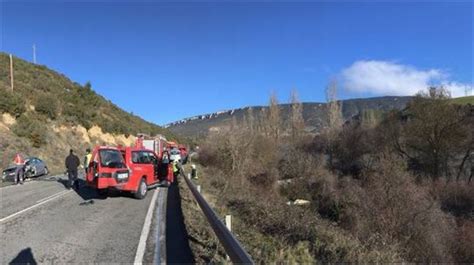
[(43, 222)]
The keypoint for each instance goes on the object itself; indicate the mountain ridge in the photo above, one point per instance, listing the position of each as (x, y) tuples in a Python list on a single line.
[(314, 114)]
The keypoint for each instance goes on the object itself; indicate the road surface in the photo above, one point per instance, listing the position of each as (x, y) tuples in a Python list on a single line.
[(43, 222)]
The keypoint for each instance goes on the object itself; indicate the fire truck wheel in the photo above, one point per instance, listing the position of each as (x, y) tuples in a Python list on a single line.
[(142, 189)]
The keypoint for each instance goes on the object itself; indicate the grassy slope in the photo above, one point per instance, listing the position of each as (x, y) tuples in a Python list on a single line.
[(75, 104), (464, 100), (74, 108)]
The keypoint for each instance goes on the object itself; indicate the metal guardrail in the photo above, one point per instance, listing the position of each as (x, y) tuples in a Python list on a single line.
[(235, 251)]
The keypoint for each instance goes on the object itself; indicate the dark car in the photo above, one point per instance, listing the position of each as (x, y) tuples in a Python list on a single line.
[(34, 167), (8, 174)]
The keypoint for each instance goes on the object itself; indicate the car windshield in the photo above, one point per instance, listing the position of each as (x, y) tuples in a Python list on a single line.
[(111, 158), (175, 152)]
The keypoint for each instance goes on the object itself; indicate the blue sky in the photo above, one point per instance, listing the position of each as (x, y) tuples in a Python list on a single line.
[(167, 61)]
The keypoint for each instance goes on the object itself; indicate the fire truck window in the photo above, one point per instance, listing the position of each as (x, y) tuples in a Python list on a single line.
[(141, 158), (145, 158), (136, 157), (152, 158)]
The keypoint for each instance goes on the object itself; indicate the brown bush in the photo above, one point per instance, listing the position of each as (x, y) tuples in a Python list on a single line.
[(457, 198), (464, 242), (389, 208)]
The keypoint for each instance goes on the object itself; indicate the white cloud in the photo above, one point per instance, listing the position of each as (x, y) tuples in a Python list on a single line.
[(389, 78)]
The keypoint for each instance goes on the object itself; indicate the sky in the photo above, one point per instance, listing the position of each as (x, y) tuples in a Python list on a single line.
[(165, 61)]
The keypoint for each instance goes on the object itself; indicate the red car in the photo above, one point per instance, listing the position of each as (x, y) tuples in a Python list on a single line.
[(127, 169)]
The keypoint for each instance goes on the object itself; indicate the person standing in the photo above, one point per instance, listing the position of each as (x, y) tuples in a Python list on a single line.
[(72, 163), (19, 170), (87, 160)]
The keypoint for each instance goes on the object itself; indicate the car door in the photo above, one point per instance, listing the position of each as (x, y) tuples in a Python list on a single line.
[(154, 162), (39, 167), (148, 166), (141, 164)]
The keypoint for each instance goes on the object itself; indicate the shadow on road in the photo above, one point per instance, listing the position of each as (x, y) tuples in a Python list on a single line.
[(24, 257), (89, 194), (177, 245)]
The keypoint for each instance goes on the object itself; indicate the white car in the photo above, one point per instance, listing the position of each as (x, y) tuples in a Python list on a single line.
[(175, 155)]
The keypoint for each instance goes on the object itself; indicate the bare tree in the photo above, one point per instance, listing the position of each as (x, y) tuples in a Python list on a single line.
[(334, 107), (334, 115), (274, 121), (250, 120), (296, 119)]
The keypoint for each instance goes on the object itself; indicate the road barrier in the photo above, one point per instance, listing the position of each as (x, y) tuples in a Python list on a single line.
[(234, 250)]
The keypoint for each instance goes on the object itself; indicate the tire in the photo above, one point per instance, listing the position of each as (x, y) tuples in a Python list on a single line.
[(46, 171), (27, 175), (142, 190)]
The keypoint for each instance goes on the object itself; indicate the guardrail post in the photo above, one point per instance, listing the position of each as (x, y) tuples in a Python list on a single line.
[(194, 171), (228, 224)]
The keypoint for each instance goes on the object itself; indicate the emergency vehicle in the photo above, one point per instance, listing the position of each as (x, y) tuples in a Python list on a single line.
[(131, 169), (157, 144), (184, 153)]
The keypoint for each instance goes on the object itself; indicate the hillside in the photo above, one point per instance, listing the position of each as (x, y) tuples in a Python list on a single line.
[(47, 114), (314, 115)]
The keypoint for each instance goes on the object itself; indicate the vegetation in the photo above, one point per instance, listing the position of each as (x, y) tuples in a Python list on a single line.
[(11, 103), (55, 97), (30, 126), (393, 187), (463, 100)]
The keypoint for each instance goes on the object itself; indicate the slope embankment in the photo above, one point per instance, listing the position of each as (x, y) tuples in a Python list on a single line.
[(58, 140)]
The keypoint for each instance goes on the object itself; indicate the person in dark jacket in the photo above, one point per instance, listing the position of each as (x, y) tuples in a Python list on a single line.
[(72, 163)]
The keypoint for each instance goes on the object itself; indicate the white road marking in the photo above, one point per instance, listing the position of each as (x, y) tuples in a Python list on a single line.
[(145, 231), (160, 247), (56, 194), (34, 206)]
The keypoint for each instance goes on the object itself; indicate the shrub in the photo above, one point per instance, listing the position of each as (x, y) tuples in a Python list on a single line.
[(47, 105), (390, 208), (32, 128), (12, 103)]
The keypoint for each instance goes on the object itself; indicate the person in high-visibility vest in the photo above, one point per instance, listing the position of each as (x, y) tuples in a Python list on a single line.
[(175, 168), (87, 159), (20, 169)]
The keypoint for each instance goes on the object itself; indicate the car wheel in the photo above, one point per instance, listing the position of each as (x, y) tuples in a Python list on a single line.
[(46, 171), (142, 190)]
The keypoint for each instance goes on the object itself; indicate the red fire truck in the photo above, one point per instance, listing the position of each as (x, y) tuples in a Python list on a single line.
[(130, 169), (157, 144), (184, 153)]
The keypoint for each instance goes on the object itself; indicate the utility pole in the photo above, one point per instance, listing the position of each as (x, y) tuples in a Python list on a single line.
[(34, 53), (11, 72)]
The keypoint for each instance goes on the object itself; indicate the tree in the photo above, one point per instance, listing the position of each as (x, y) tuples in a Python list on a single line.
[(274, 121), (47, 105), (334, 119), (296, 119), (436, 133)]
